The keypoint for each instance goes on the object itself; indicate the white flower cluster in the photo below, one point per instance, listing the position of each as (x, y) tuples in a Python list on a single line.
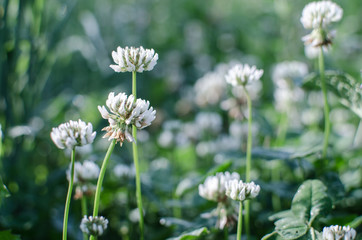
[(339, 233), (72, 134), (94, 225), (214, 186), (209, 89), (87, 171), (243, 74), (240, 191), (134, 59), (318, 16), (124, 171), (208, 121), (125, 111), (285, 75)]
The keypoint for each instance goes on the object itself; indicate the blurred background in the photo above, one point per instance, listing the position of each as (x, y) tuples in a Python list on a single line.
[(55, 58)]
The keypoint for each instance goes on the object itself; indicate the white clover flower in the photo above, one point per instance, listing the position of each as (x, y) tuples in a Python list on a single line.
[(240, 191), (319, 37), (72, 134), (134, 59), (243, 74), (208, 121), (320, 14), (124, 171), (214, 186), (285, 76), (125, 111), (87, 171), (339, 233), (286, 72), (94, 225)]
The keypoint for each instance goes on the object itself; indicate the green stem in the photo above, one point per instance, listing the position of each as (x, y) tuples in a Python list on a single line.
[(100, 181), (240, 222), (69, 196), (282, 130), (250, 137), (269, 235), (327, 126), (247, 219), (84, 212), (136, 163), (275, 176), (354, 144), (248, 160), (312, 233)]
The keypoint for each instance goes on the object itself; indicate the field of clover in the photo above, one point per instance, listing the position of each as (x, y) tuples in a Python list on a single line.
[(180, 120)]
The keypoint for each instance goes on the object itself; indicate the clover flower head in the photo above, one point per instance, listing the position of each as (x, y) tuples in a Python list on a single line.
[(320, 14), (319, 37), (287, 72), (131, 59), (125, 111), (213, 188), (240, 191), (339, 233), (124, 171), (243, 74), (72, 134), (209, 121), (94, 225), (87, 171)]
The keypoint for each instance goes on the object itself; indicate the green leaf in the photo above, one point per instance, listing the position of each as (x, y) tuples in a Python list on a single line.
[(7, 235), (356, 222), (343, 86), (219, 168), (282, 214), (195, 234), (311, 201), (291, 227), (274, 154)]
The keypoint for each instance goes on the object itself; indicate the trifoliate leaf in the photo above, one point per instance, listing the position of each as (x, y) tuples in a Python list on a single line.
[(311, 201), (274, 154), (195, 234), (291, 227), (282, 214), (343, 86)]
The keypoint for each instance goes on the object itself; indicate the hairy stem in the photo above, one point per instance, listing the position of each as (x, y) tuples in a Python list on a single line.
[(100, 181), (240, 221), (327, 124), (84, 212), (269, 235), (248, 160), (136, 163), (69, 196)]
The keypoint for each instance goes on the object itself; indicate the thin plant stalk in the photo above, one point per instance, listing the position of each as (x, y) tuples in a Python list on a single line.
[(136, 163), (327, 124), (248, 160), (84, 212), (240, 222), (100, 181), (69, 196), (282, 130), (269, 235), (312, 233)]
